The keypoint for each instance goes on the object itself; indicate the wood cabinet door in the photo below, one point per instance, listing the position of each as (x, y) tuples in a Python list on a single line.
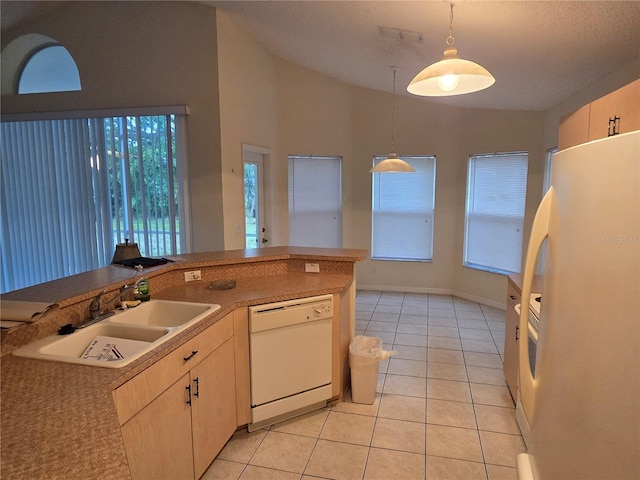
[(623, 103), (213, 415), (510, 366), (574, 128), (158, 438)]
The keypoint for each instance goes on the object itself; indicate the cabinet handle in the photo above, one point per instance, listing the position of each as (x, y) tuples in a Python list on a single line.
[(193, 353), (517, 333), (512, 297), (196, 384), (614, 126), (188, 394)]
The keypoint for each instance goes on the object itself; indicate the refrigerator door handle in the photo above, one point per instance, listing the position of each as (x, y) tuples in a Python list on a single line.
[(539, 231)]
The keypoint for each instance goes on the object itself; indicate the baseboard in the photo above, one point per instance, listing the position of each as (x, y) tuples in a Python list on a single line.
[(434, 291)]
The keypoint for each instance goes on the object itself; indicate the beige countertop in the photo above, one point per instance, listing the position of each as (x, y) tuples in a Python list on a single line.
[(59, 420)]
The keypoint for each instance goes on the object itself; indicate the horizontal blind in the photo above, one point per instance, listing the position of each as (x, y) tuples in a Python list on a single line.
[(496, 193), (315, 201), (403, 211)]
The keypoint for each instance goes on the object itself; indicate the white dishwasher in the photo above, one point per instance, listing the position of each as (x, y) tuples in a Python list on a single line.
[(290, 358)]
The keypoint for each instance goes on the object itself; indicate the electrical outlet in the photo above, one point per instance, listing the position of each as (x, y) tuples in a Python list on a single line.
[(192, 276), (312, 267)]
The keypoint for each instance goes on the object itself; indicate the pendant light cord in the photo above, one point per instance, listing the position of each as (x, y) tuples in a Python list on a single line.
[(450, 39), (393, 114)]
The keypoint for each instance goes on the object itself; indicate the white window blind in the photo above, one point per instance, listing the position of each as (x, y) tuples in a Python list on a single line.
[(496, 192), (315, 201), (73, 188), (403, 210)]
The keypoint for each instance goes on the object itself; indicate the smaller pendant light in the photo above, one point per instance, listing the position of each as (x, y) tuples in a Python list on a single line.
[(392, 163), (451, 75)]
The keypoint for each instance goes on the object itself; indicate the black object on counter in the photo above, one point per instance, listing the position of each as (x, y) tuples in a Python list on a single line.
[(66, 329), (144, 261)]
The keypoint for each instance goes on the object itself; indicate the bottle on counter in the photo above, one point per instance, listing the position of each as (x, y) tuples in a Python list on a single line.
[(141, 290)]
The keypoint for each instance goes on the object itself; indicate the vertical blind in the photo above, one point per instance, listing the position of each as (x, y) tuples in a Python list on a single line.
[(403, 211), (315, 201), (496, 193), (73, 188)]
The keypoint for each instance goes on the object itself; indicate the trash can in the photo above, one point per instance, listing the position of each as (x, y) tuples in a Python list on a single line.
[(364, 355)]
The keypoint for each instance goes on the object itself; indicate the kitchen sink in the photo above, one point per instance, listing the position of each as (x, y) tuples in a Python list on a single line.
[(164, 313), (121, 338)]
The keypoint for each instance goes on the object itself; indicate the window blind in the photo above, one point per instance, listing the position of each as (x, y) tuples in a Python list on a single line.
[(73, 188), (315, 201), (496, 193), (403, 211)]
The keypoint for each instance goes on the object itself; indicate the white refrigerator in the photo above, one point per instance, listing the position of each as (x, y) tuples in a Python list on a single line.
[(580, 409)]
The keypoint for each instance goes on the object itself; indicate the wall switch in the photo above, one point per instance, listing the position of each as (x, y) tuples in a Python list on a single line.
[(312, 267), (192, 276)]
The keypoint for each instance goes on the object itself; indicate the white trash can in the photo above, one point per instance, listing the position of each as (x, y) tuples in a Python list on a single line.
[(365, 354)]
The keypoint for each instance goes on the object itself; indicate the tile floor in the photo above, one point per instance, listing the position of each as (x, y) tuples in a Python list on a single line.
[(442, 410)]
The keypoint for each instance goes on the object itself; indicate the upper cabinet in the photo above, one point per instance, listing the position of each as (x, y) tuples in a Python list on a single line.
[(618, 112)]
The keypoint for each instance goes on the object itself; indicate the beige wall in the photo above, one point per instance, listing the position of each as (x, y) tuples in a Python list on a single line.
[(314, 118), (451, 134), (247, 80), (137, 54), (238, 93)]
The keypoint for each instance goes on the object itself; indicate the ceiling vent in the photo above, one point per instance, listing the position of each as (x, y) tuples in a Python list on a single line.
[(405, 35)]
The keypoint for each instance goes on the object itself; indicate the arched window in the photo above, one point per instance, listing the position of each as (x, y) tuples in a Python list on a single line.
[(35, 63), (50, 69)]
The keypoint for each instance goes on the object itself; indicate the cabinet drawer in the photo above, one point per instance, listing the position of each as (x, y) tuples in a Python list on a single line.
[(513, 295), (134, 395)]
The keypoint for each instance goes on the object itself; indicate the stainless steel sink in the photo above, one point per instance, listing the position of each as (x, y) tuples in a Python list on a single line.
[(121, 338)]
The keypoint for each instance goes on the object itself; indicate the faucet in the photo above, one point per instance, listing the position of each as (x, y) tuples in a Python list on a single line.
[(98, 309)]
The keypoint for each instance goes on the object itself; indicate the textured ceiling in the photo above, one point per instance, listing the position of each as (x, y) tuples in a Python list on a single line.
[(539, 52)]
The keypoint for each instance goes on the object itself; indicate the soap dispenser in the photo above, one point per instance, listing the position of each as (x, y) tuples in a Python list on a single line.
[(141, 290)]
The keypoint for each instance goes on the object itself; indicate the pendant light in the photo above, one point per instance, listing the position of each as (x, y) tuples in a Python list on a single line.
[(392, 163), (451, 75)]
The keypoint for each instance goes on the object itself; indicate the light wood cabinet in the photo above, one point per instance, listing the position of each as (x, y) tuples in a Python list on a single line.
[(511, 339), (192, 413), (618, 111), (213, 406), (158, 440)]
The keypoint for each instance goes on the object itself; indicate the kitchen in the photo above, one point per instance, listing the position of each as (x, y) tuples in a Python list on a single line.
[(229, 107)]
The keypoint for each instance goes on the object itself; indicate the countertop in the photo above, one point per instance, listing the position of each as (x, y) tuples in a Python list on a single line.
[(59, 420), (516, 281)]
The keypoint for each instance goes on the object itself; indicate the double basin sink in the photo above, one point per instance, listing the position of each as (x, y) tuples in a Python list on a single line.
[(121, 338)]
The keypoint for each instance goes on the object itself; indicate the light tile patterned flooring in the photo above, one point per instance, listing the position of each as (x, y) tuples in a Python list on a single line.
[(442, 410)]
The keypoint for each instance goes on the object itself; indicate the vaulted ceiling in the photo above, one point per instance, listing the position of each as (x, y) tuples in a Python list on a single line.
[(540, 52)]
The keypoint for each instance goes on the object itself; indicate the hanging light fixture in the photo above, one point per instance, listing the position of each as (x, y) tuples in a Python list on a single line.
[(451, 75), (392, 163)]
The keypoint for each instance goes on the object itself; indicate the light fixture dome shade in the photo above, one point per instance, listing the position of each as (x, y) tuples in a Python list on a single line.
[(392, 164), (471, 77)]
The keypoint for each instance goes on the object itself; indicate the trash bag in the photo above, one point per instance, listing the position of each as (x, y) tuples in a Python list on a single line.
[(370, 347), (365, 353)]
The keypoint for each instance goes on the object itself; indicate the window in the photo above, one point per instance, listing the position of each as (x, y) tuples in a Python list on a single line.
[(402, 211), (546, 184), (73, 188), (496, 190), (50, 69), (315, 201)]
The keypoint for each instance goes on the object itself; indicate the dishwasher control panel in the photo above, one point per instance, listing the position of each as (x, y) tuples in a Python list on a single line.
[(322, 310), (290, 312)]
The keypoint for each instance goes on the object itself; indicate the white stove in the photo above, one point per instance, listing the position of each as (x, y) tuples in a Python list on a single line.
[(534, 311)]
